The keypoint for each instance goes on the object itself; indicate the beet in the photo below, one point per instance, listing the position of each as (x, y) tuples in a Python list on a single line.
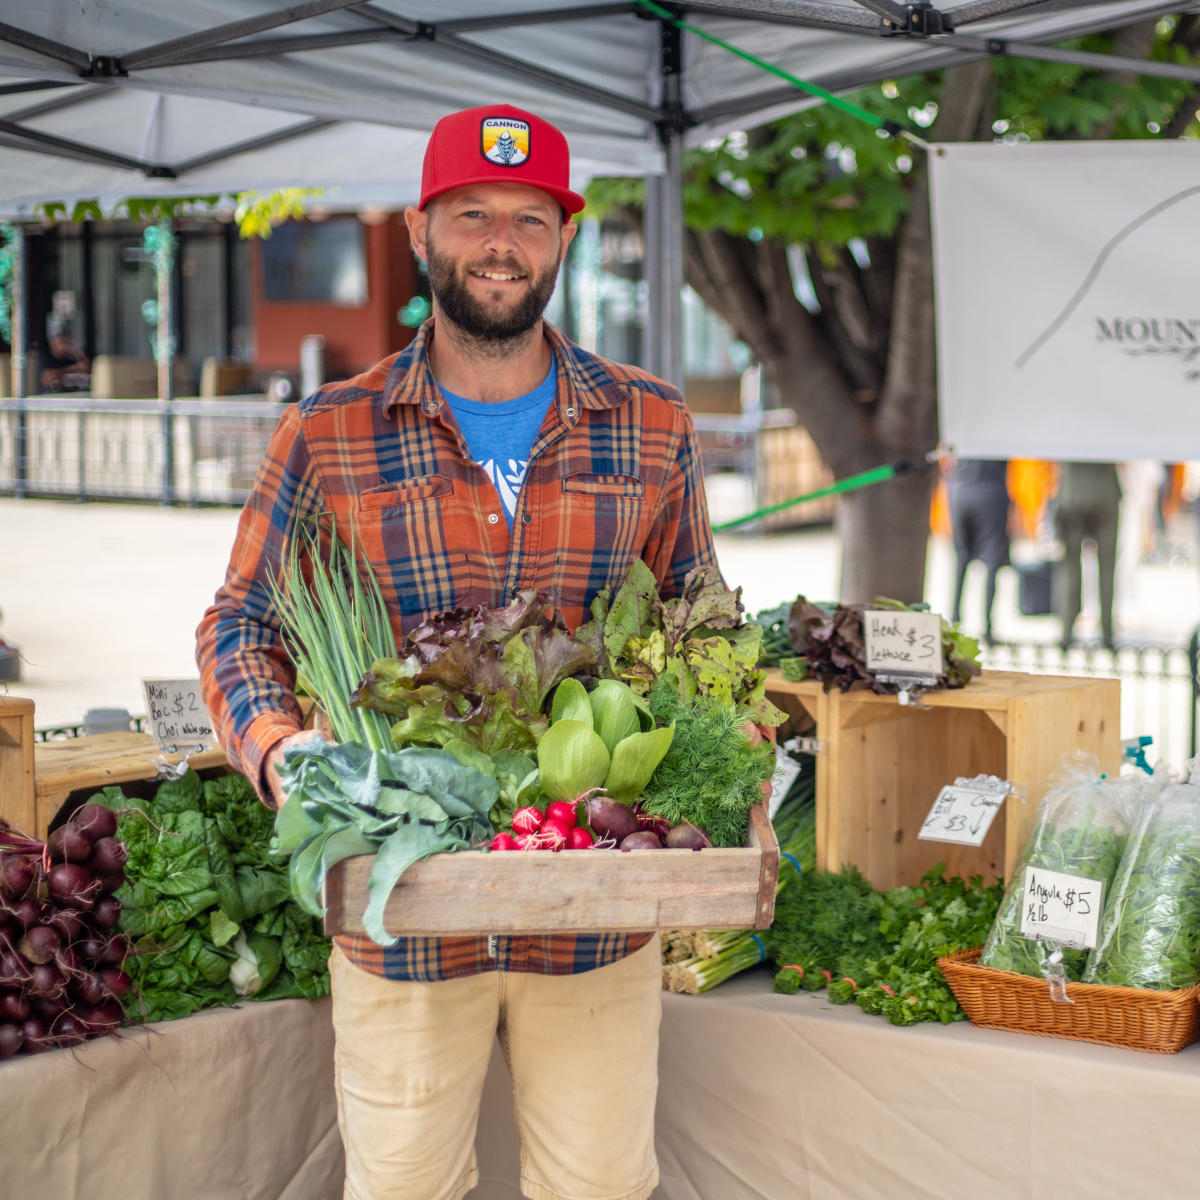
[(686, 836), (68, 843), (91, 948), (13, 1007), (115, 981), (46, 982), (610, 819), (68, 1030), (12, 1038), (16, 876), (89, 989), (108, 857), (71, 884), (24, 913), (107, 912), (96, 820), (39, 943), (641, 839), (14, 971), (66, 922)]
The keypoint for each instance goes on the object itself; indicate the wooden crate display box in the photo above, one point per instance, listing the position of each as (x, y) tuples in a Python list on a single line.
[(575, 891), (41, 783), (881, 764)]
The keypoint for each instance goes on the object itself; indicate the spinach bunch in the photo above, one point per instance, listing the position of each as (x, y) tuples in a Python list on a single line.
[(207, 908)]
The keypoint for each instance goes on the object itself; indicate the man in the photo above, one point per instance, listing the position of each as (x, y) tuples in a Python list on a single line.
[(490, 456), (1086, 506)]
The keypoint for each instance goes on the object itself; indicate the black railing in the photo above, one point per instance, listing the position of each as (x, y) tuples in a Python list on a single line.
[(1160, 687)]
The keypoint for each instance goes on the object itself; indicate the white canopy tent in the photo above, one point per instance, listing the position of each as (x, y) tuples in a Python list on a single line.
[(183, 97)]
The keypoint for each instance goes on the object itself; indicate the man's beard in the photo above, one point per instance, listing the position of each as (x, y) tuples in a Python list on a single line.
[(484, 324)]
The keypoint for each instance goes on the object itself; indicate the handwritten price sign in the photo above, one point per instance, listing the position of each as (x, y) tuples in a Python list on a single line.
[(177, 715), (903, 643), (963, 813), (1061, 908)]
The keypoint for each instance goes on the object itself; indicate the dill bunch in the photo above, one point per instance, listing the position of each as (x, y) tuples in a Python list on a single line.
[(711, 775)]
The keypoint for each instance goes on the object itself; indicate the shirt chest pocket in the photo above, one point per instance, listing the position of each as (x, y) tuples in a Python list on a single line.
[(607, 514), (407, 530)]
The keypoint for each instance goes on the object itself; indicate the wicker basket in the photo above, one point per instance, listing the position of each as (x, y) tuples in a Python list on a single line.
[(1135, 1018)]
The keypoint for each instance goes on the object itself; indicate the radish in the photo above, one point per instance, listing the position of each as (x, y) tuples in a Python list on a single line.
[(579, 838), (553, 834), (564, 811), (503, 841), (527, 820)]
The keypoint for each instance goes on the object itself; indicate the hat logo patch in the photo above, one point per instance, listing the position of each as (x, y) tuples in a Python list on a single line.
[(504, 141)]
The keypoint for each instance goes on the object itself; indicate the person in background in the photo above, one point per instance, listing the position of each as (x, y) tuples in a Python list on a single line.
[(1087, 507), (490, 456), (977, 494), (61, 360)]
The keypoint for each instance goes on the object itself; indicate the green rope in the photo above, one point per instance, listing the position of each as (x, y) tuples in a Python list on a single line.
[(849, 484), (813, 89)]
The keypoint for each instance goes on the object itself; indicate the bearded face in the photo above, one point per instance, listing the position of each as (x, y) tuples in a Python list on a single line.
[(490, 315)]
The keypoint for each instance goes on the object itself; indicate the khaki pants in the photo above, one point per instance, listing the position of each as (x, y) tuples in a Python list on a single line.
[(410, 1061)]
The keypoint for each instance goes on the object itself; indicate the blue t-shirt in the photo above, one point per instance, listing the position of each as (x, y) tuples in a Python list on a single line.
[(501, 434)]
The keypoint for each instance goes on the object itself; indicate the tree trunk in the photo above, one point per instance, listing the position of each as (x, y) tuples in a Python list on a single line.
[(884, 529)]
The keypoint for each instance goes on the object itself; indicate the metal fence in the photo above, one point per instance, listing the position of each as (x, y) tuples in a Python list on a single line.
[(194, 451), (1159, 685)]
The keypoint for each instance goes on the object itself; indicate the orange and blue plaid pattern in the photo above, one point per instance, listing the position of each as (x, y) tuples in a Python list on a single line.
[(614, 473)]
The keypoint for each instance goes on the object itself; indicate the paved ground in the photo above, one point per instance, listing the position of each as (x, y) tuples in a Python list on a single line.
[(99, 596)]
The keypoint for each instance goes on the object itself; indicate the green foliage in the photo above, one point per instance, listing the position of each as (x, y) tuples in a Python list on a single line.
[(1085, 845), (1150, 934), (200, 881), (823, 177), (711, 774), (256, 214), (402, 806), (878, 949), (697, 640)]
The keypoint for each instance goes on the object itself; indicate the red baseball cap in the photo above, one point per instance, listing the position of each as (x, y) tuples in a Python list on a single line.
[(497, 144)]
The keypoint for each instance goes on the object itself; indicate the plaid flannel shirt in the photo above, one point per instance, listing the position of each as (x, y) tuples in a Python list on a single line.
[(614, 473)]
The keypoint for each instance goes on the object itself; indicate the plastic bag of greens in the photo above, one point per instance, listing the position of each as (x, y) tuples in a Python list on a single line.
[(1080, 829), (1150, 934)]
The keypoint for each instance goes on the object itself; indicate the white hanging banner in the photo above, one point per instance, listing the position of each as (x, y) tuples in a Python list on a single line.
[(1068, 313)]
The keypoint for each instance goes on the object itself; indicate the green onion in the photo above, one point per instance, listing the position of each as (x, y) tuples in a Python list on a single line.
[(336, 625)]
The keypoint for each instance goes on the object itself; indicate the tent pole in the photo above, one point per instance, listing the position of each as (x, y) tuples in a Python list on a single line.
[(663, 222), (671, 263), (20, 347)]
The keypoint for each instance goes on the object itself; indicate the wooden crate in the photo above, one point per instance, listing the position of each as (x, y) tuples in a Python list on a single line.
[(37, 778), (580, 891), (17, 805), (881, 764)]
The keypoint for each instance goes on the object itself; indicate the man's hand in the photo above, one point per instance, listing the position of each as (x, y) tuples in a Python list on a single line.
[(275, 757)]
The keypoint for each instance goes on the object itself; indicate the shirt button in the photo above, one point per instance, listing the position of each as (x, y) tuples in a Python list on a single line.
[(493, 518), (571, 413), (526, 518)]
